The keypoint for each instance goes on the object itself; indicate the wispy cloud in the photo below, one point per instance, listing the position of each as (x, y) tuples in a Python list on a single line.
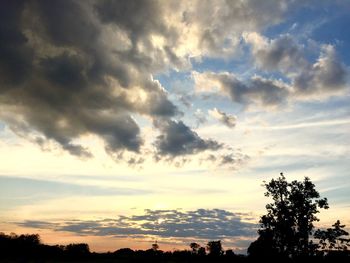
[(303, 125), (16, 191)]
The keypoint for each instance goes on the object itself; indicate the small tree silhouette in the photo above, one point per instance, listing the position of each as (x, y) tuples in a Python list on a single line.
[(201, 252), (333, 239), (77, 250), (194, 246), (215, 248), (155, 246)]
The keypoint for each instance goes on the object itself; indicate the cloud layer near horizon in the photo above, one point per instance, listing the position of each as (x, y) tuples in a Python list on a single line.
[(207, 224)]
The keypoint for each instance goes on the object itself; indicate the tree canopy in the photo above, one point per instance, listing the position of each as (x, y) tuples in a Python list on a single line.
[(289, 221)]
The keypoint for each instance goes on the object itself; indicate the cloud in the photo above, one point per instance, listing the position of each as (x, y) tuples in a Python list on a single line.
[(16, 191), (302, 79), (326, 76), (200, 117), (73, 68), (186, 100), (257, 90), (209, 224), (38, 224), (232, 159), (15, 184), (280, 54), (70, 69), (214, 28), (178, 139), (226, 119), (67, 72)]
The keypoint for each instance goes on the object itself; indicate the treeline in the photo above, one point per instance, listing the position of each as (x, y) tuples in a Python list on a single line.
[(286, 234), (29, 248)]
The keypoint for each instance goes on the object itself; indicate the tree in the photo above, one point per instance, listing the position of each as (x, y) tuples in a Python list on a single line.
[(201, 252), (215, 248), (155, 246), (288, 224), (194, 246), (229, 253), (263, 246), (333, 239), (77, 250)]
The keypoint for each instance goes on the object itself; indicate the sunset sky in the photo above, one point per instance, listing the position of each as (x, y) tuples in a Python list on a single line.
[(127, 122)]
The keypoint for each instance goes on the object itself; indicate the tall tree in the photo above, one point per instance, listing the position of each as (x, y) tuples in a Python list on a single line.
[(288, 224)]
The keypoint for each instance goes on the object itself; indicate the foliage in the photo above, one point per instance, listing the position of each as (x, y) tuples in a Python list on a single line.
[(288, 224), (194, 246), (333, 238), (155, 246), (201, 252), (77, 250), (215, 248)]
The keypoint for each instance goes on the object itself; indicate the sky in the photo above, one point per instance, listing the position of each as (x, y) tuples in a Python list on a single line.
[(127, 122)]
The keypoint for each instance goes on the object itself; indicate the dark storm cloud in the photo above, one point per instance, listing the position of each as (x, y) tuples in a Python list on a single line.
[(74, 68), (178, 139), (202, 223), (62, 77), (137, 17), (15, 63), (66, 23), (65, 71)]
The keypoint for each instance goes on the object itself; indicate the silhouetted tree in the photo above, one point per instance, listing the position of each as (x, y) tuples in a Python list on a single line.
[(124, 252), (264, 245), (215, 248), (155, 246), (77, 250), (229, 253), (333, 239), (288, 224), (194, 246), (201, 251)]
